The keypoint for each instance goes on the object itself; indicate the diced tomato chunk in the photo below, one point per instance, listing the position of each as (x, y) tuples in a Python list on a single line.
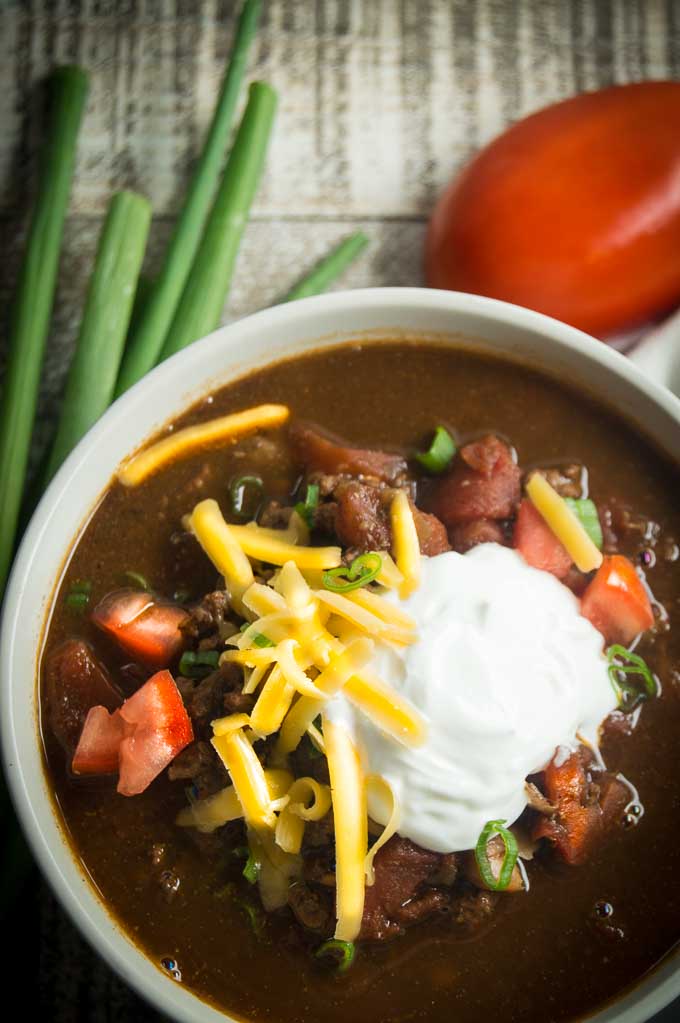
[(157, 728), (99, 743), (577, 822), (146, 630), (323, 452), (616, 601), (537, 543), (75, 681), (139, 739), (484, 483)]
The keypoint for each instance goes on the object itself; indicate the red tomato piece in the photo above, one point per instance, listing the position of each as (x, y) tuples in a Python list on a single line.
[(157, 729), (145, 629), (99, 743), (616, 601), (573, 211), (325, 453), (538, 545), (139, 739), (577, 823), (484, 483)]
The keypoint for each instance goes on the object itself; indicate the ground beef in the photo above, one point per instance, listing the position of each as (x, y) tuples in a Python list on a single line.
[(275, 515), (402, 892), (217, 694), (199, 764), (565, 479), (469, 534), (474, 909), (312, 907), (484, 482), (208, 616), (321, 452)]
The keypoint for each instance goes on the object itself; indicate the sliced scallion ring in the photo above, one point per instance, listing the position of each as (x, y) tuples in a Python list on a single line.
[(622, 664), (198, 664), (585, 511), (500, 883), (360, 572), (306, 508), (251, 871), (261, 641), (439, 454), (342, 952), (137, 579), (246, 494)]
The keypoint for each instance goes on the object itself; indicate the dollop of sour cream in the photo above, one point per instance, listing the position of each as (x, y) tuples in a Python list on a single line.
[(505, 670)]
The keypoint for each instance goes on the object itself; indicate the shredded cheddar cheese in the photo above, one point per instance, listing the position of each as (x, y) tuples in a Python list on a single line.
[(193, 438), (564, 524), (405, 543), (216, 538), (348, 793)]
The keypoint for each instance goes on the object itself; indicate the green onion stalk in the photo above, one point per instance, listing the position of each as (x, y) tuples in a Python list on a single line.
[(92, 377), (203, 298), (329, 268), (33, 300), (150, 332)]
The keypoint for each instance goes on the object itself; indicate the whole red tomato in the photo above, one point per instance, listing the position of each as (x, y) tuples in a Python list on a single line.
[(574, 211)]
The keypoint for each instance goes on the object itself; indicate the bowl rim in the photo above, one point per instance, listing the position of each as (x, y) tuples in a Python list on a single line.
[(76, 893)]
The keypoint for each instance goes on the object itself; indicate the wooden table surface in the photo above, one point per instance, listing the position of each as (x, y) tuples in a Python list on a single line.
[(380, 102)]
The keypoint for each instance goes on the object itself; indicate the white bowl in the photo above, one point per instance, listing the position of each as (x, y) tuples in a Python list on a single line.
[(229, 352)]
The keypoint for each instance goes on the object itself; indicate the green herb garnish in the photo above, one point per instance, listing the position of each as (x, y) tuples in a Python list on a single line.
[(198, 664), (260, 640), (137, 579), (246, 494), (251, 871), (440, 453), (361, 571), (585, 511), (342, 952), (306, 508), (490, 829), (631, 678), (78, 597)]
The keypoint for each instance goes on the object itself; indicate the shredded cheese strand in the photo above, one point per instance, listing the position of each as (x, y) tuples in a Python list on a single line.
[(248, 778), (365, 620), (380, 790), (203, 435), (216, 538), (214, 811), (405, 543), (258, 545), (273, 703), (348, 794), (383, 609), (564, 524), (331, 680)]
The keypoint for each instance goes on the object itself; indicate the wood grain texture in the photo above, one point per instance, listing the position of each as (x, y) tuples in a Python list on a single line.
[(381, 101)]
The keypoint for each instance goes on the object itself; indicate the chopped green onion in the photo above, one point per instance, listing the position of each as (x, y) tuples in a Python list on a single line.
[(103, 328), (306, 508), (77, 600), (509, 860), (138, 580), (159, 308), (200, 307), (361, 571), (440, 453), (32, 303), (622, 663), (585, 511), (260, 640), (251, 871), (342, 952), (198, 664), (246, 493), (330, 267)]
